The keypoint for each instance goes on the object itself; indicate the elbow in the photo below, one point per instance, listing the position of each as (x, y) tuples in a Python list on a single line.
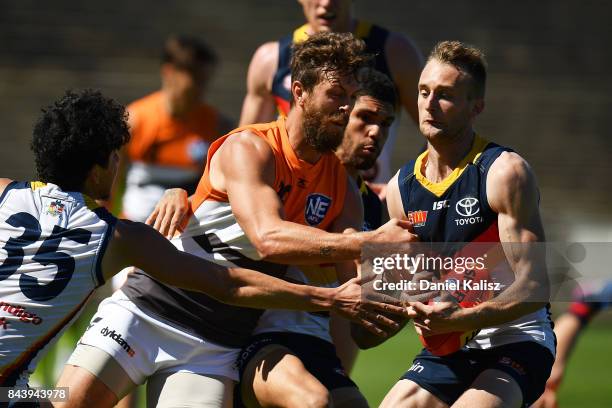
[(266, 245)]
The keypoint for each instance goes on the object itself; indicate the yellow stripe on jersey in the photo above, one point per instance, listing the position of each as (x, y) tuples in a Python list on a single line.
[(35, 185), (300, 34), (440, 188), (90, 202), (363, 189), (362, 30)]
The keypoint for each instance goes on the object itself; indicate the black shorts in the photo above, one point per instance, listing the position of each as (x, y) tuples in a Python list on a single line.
[(450, 376), (318, 356)]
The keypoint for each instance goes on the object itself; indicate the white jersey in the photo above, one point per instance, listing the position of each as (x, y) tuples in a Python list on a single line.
[(146, 183), (214, 226), (295, 321), (51, 246), (534, 326)]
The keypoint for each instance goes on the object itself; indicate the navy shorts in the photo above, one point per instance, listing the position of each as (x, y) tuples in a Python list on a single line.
[(448, 377), (318, 356)]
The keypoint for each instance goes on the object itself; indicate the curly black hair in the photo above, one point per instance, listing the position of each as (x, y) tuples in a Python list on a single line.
[(379, 86), (75, 133)]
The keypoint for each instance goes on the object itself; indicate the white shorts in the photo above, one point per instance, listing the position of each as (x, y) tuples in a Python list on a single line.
[(143, 345)]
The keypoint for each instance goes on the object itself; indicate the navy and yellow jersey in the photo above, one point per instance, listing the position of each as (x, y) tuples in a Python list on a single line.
[(374, 37), (372, 206), (455, 209)]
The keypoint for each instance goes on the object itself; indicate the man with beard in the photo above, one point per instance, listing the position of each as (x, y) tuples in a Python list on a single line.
[(269, 80), (57, 245), (268, 197), (296, 349)]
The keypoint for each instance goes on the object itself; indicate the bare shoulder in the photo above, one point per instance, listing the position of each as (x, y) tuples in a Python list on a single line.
[(263, 65), (3, 183), (266, 53), (510, 180), (510, 168), (246, 142)]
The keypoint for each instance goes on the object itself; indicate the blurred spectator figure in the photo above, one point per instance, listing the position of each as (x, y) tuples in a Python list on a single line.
[(268, 78), (171, 128)]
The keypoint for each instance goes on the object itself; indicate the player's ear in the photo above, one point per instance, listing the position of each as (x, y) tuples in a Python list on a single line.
[(478, 107), (95, 174), (297, 91)]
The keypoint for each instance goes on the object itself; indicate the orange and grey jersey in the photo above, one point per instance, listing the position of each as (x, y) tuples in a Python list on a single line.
[(312, 195), (164, 152), (317, 323), (456, 210), (51, 248)]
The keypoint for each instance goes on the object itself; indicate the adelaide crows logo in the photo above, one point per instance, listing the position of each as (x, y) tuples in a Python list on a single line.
[(56, 208), (317, 206)]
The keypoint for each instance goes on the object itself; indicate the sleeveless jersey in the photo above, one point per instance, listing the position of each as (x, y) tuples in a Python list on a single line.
[(457, 210), (373, 36), (52, 243), (317, 323), (164, 152), (312, 195)]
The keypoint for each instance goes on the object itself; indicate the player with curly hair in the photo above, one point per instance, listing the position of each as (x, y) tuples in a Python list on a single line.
[(58, 245)]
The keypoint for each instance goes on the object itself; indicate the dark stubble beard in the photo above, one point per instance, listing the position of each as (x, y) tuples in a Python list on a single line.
[(320, 131)]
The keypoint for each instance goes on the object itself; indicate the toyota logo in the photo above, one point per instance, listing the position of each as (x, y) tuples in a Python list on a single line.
[(467, 207)]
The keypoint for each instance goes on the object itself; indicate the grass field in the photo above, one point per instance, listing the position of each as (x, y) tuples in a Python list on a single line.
[(588, 382)]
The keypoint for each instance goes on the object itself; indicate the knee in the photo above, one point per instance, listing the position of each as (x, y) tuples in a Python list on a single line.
[(312, 397), (409, 394)]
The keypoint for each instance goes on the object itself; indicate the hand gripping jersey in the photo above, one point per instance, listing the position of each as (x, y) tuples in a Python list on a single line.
[(457, 210), (164, 152), (312, 195), (51, 248)]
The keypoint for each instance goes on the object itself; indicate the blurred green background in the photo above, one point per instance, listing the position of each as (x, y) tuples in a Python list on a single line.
[(587, 382)]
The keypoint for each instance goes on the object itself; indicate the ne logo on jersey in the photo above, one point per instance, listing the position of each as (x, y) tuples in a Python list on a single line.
[(317, 206), (417, 218)]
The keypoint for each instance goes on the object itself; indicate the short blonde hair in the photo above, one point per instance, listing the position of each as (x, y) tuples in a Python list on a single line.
[(465, 58)]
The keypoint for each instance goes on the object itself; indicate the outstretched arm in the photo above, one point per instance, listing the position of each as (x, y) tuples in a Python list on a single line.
[(136, 244), (244, 166)]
